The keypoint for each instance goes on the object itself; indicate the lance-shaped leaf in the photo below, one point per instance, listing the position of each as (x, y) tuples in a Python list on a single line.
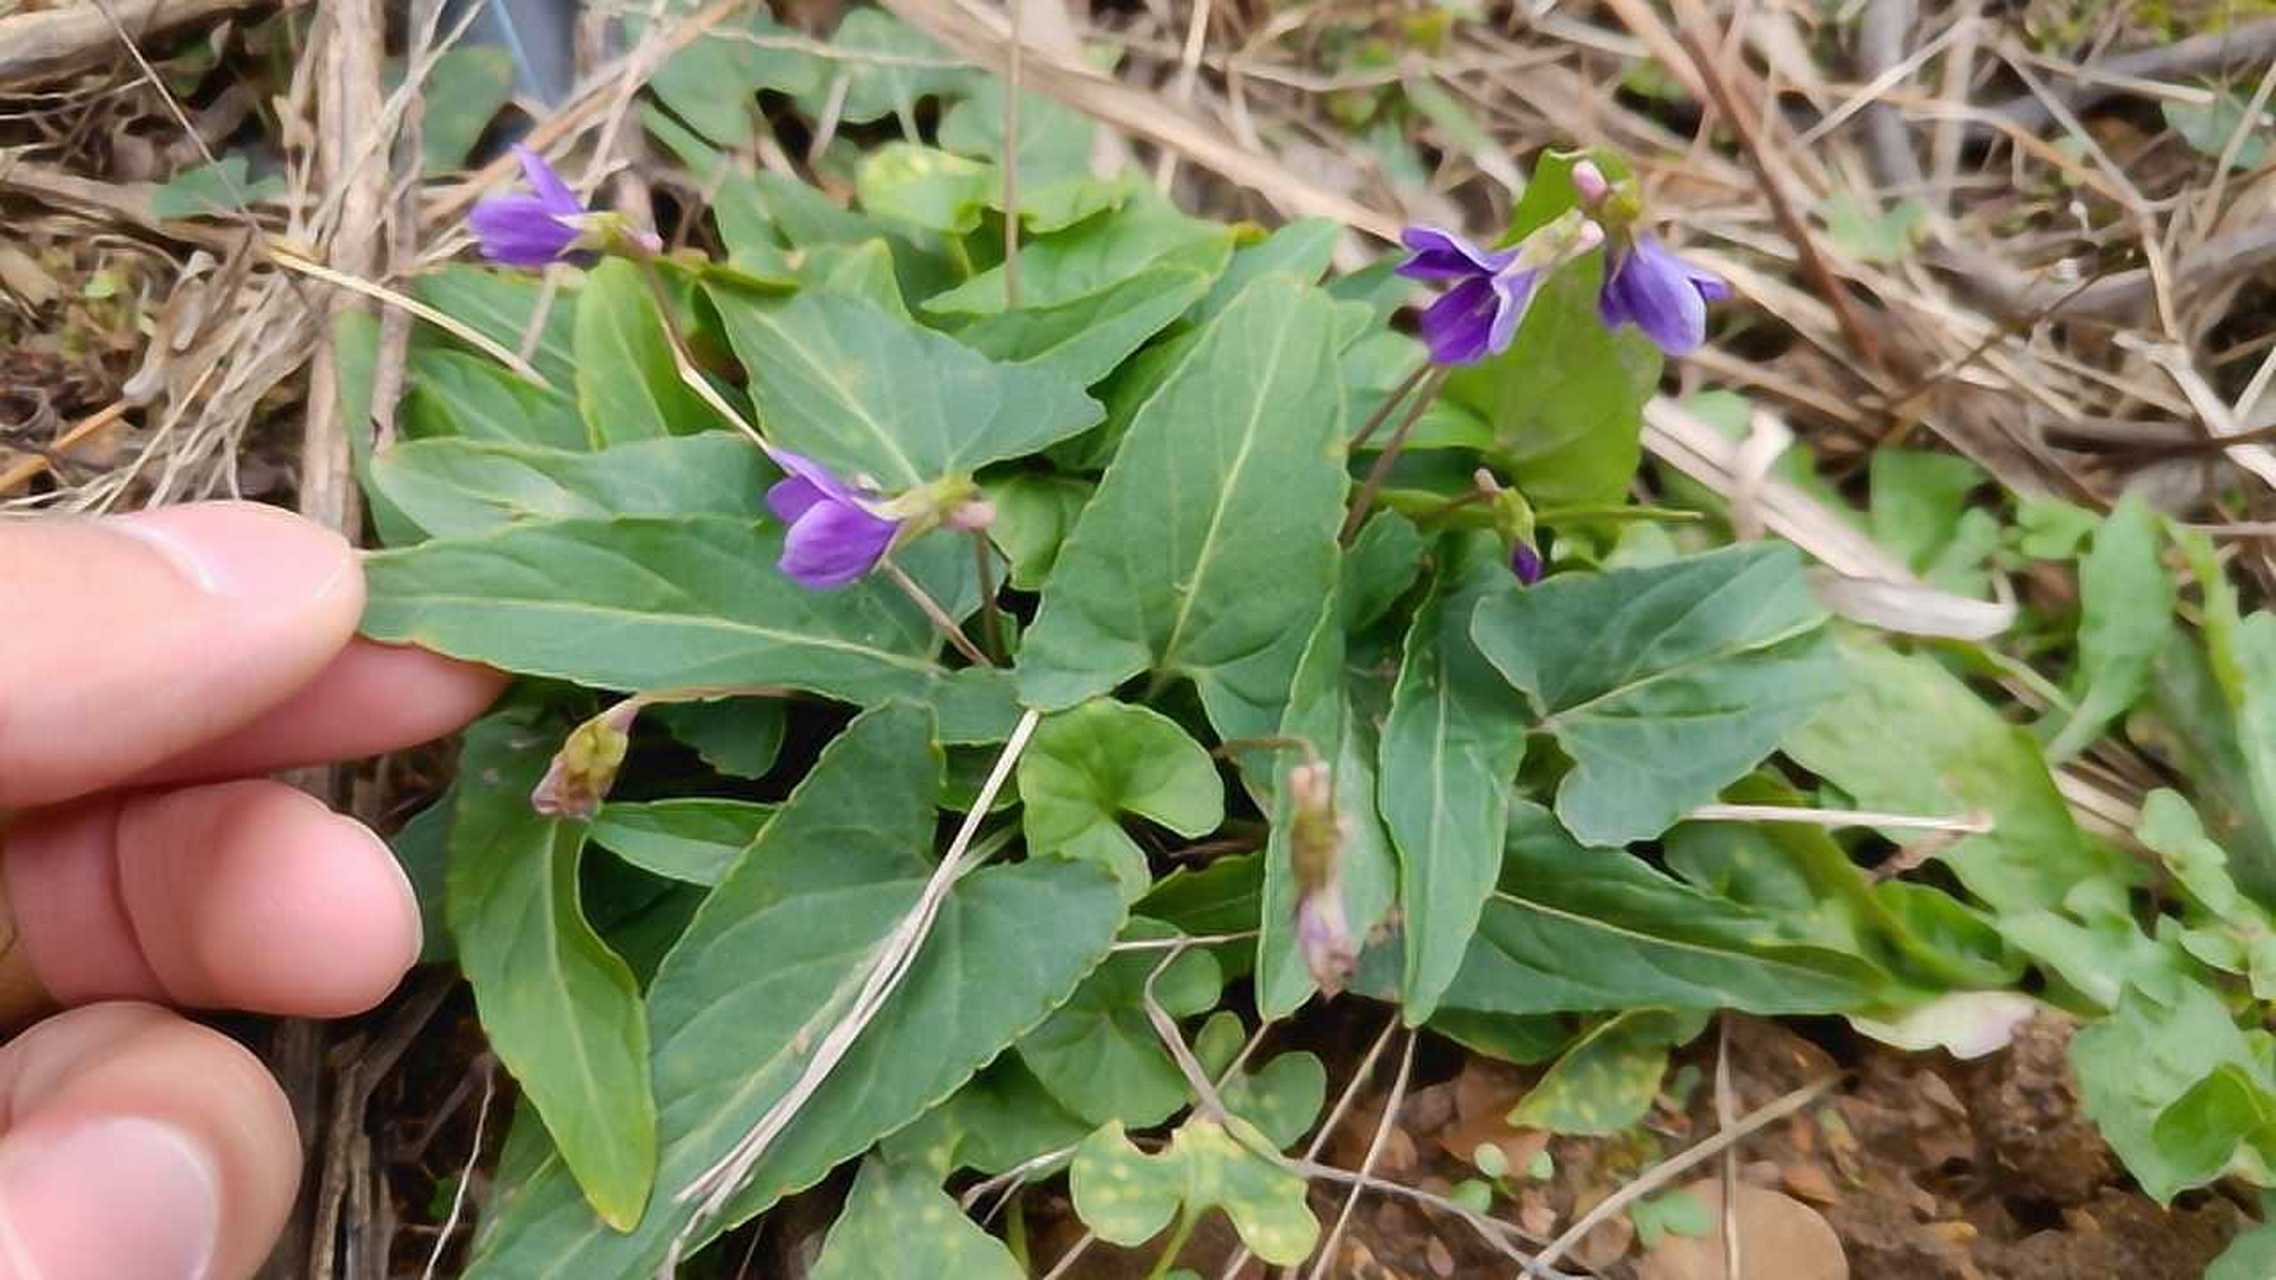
[(455, 487), (639, 603), (693, 839), (451, 393), (1607, 1080), (627, 384), (1450, 752), (1105, 758), (1128, 1196), (1211, 540), (561, 1009), (770, 964), (1095, 255), (1099, 1054), (498, 305), (1085, 339), (1664, 684), (2126, 600), (899, 1225), (1320, 713), (1572, 929), (867, 393)]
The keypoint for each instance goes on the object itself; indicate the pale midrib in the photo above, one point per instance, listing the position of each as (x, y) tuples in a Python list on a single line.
[(1624, 931), (601, 1104), (1250, 433), (1562, 719), (821, 373), (887, 656)]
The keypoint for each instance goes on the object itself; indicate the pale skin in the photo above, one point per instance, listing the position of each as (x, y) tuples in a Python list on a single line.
[(153, 670)]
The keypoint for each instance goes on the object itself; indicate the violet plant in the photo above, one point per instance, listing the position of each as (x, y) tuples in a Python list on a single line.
[(1056, 654)]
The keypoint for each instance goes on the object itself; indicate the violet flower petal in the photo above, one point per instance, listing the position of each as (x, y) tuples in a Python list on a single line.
[(835, 543), (1525, 564), (520, 231), (1656, 291), (1443, 255), (551, 190), (1513, 293), (1458, 328), (792, 497)]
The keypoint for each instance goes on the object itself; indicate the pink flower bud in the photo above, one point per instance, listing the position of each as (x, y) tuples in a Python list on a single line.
[(585, 768), (1589, 181), (971, 515)]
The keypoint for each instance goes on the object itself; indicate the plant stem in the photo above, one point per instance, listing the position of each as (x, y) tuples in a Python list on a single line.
[(1398, 441), (940, 619), (1013, 50), (1179, 1234), (1383, 411), (991, 619)]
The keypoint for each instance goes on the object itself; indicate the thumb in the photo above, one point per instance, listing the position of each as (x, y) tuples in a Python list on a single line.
[(132, 639), (139, 1147)]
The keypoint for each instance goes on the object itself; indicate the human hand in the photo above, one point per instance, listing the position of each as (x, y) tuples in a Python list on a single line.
[(149, 666)]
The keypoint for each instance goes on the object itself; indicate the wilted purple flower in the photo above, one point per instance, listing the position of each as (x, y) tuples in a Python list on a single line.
[(835, 535), (1479, 315), (1525, 562), (1316, 833), (1646, 285), (530, 230)]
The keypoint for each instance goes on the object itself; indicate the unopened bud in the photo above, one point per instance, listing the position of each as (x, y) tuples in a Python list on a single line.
[(585, 768), (1589, 181), (1315, 829), (1525, 562)]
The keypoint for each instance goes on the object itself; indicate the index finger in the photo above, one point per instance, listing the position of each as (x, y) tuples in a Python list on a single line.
[(128, 640)]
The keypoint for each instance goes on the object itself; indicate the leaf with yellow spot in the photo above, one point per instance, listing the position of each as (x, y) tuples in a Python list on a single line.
[(899, 1225), (1127, 1196)]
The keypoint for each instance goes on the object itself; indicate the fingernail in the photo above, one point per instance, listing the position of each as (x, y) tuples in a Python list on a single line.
[(121, 1198), (243, 550)]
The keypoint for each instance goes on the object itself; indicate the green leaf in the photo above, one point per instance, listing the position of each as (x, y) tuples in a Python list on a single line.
[(1375, 366), (1663, 684), (2199, 1133), (1381, 563), (2171, 829), (771, 962), (1085, 339), (1921, 513), (458, 487), (1607, 1080), (2135, 1066), (1449, 756), (1033, 516), (1566, 400), (499, 305), (899, 1225), (934, 189), (1860, 228), (459, 99), (710, 81), (2208, 128), (1320, 713), (2241, 653), (1577, 929), (737, 736), (1520, 1038), (453, 394), (1089, 764), (1100, 1056), (1054, 140), (1222, 897), (2050, 528), (1282, 1098), (1095, 255), (213, 190), (1127, 1196), (636, 603), (865, 393), (691, 839), (907, 66), (1678, 1213), (2127, 598), (1959, 757), (1007, 1118), (561, 1010), (627, 385), (1796, 874), (1211, 540), (1304, 249)]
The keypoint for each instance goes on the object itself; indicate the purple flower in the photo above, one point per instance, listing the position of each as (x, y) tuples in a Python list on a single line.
[(1479, 315), (530, 230), (1525, 562), (835, 537), (1661, 294)]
